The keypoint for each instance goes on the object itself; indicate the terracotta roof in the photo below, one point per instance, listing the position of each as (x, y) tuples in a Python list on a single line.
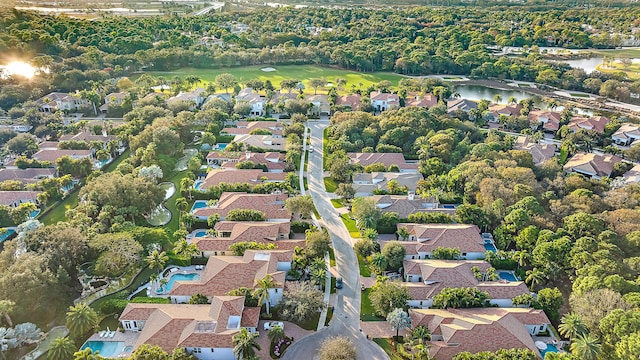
[(505, 109), (478, 329), (550, 119), (405, 206), (53, 155), (246, 127), (439, 274), (627, 131), (30, 175), (247, 231), (431, 236), (596, 123), (539, 152), (49, 145), (251, 177), (271, 204), (225, 273), (354, 101), (592, 164), (379, 96), (10, 197), (368, 182), (428, 100), (387, 159), (250, 317), (173, 326), (87, 137)]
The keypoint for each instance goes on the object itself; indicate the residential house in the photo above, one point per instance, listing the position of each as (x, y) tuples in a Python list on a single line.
[(387, 159), (156, 97), (275, 128), (61, 101), (281, 98), (250, 176), (27, 176), (425, 279), (384, 101), (265, 142), (225, 273), (630, 177), (254, 99), (49, 145), (550, 120), (206, 331), (211, 41), (113, 99), (424, 238), (366, 183), (350, 102), (539, 152), (509, 110), (460, 104), (626, 134), (595, 123), (273, 161), (417, 100), (480, 329), (196, 97), (88, 137), (15, 198), (272, 205), (228, 233), (52, 155), (405, 205), (592, 165), (320, 105), (224, 97)]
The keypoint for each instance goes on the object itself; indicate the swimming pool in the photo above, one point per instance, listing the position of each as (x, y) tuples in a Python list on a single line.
[(180, 277), (6, 234), (200, 233), (105, 348), (199, 204), (197, 184), (490, 247), (507, 275), (551, 348), (34, 213)]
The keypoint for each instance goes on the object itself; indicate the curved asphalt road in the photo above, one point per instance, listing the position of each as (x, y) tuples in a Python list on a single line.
[(346, 317)]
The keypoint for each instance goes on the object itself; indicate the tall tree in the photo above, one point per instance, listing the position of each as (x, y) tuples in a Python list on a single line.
[(226, 81), (245, 345), (586, 347), (157, 259), (81, 318), (61, 349), (399, 319), (572, 326), (262, 291)]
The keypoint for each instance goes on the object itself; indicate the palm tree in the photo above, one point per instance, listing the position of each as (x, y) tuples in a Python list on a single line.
[(182, 205), (183, 248), (535, 277), (552, 104), (521, 257), (572, 326), (61, 349), (420, 334), (192, 80), (80, 319), (403, 233), (421, 352), (157, 259), (186, 184), (586, 347), (245, 344), (512, 100), (497, 98), (262, 291), (379, 262), (276, 333)]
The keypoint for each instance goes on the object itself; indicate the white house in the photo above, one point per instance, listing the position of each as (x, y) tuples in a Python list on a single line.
[(384, 101), (255, 100), (15, 198), (61, 101), (626, 134)]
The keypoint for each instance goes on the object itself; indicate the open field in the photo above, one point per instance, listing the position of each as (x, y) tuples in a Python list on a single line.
[(632, 71), (301, 72), (629, 53)]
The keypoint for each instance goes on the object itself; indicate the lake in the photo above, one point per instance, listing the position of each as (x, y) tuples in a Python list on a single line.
[(479, 92)]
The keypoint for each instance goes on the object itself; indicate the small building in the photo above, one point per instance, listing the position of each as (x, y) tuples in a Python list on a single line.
[(480, 329), (228, 233), (206, 331), (626, 134), (250, 176), (425, 279), (539, 152), (595, 123), (15, 198), (384, 101), (550, 120), (27, 176), (272, 205), (366, 183), (460, 105), (592, 165), (424, 238), (387, 159), (225, 273)]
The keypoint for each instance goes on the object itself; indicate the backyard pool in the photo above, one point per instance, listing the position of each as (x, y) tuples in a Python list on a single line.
[(197, 184), (199, 204), (6, 234), (200, 233), (550, 349), (507, 275), (490, 247), (180, 277), (34, 213), (106, 348)]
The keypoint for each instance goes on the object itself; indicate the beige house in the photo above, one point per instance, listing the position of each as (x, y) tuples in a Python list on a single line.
[(539, 152), (592, 165), (366, 183)]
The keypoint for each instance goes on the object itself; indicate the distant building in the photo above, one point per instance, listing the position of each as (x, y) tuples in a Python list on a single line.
[(550, 120), (595, 123), (255, 100), (592, 165), (15, 198), (196, 97), (55, 101), (460, 105), (27, 176), (250, 176), (384, 101), (509, 110), (351, 102), (270, 204), (387, 159), (366, 183), (247, 127), (539, 152), (405, 205), (274, 161), (417, 100)]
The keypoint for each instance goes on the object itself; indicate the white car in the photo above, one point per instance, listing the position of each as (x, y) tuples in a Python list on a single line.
[(271, 324), (310, 149)]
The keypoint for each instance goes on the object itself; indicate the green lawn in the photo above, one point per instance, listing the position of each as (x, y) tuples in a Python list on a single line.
[(300, 72), (337, 203), (364, 267), (631, 53), (367, 313), (325, 140), (306, 185), (174, 224), (632, 71), (332, 257), (524, 85), (385, 344), (580, 95), (330, 184), (351, 225), (306, 160)]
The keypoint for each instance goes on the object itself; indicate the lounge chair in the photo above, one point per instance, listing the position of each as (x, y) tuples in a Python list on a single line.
[(102, 333)]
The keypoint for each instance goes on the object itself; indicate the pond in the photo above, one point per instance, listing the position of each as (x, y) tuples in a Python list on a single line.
[(588, 64), (181, 165), (479, 92), (159, 216)]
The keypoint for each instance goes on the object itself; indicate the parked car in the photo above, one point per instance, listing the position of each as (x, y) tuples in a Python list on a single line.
[(339, 283), (271, 324), (310, 149)]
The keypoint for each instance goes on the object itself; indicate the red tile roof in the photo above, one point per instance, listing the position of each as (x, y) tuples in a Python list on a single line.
[(596, 123), (271, 204), (431, 236), (387, 159), (252, 177), (592, 164), (354, 101), (428, 100), (10, 197), (247, 231), (53, 155)]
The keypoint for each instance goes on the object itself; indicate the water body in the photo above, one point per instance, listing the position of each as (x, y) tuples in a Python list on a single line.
[(479, 92), (588, 65)]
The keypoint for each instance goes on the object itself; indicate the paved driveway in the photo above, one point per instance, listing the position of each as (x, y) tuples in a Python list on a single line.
[(346, 318), (290, 329)]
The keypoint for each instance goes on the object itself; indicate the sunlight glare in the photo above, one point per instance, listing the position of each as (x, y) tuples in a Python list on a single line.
[(20, 68)]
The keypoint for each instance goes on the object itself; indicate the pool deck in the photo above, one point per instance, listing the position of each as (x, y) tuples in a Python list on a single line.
[(129, 338), (167, 273)]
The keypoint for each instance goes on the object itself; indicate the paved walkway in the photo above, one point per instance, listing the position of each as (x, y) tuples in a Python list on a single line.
[(327, 292), (379, 329), (290, 329)]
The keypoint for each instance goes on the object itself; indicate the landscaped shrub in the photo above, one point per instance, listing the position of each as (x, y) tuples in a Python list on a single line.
[(112, 306), (150, 300), (300, 226)]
